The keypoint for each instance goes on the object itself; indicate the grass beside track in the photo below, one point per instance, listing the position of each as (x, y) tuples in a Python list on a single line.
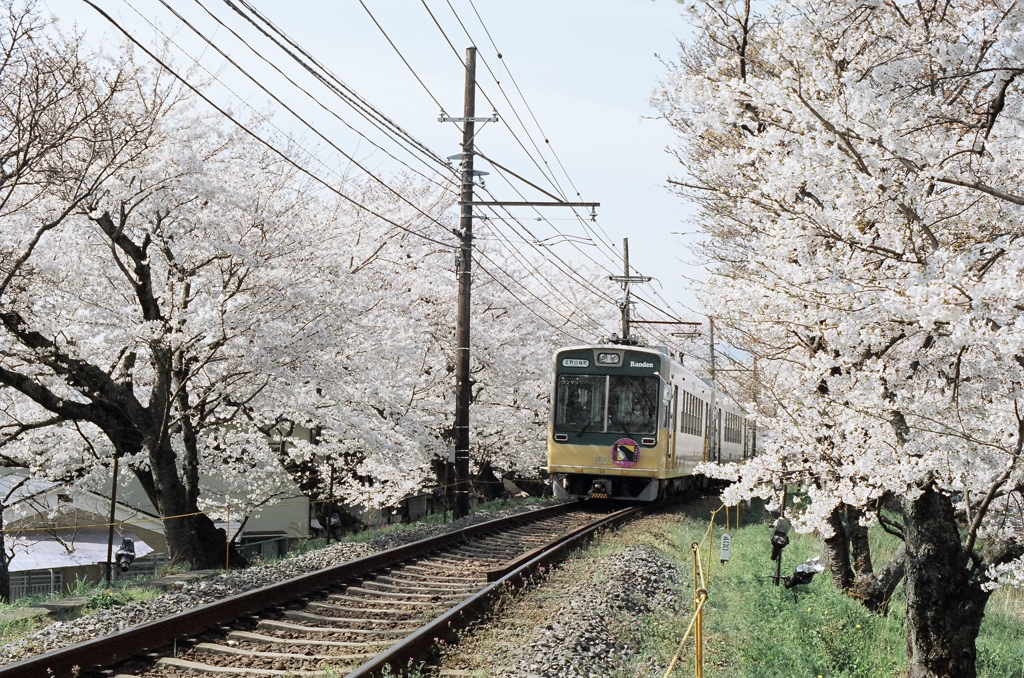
[(96, 597), (758, 630)]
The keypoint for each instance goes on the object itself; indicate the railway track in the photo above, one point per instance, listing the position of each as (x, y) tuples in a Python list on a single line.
[(355, 619)]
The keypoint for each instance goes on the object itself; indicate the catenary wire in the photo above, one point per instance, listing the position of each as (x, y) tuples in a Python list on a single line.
[(309, 155), (603, 236), (531, 265), (365, 106), (549, 285), (527, 103), (313, 98), (533, 142), (556, 290), (298, 117), (333, 83), (259, 139), (531, 240), (568, 319), (604, 240), (401, 56), (455, 51), (481, 88), (285, 106)]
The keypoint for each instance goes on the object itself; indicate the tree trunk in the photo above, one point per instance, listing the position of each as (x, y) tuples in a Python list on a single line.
[(5, 572), (945, 603), (836, 550), (859, 544), (191, 536), (876, 589)]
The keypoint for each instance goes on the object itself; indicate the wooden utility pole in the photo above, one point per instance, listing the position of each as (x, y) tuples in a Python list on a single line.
[(714, 425), (711, 332), (625, 286), (463, 270), (463, 387), (110, 523), (626, 279)]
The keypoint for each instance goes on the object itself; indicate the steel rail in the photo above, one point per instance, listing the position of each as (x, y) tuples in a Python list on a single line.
[(80, 658), (422, 643)]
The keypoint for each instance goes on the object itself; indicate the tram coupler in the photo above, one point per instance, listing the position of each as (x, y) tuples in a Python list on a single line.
[(601, 489)]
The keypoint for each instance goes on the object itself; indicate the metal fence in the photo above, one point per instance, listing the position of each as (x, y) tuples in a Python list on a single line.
[(36, 582)]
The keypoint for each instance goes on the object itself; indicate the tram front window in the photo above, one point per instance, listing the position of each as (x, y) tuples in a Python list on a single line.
[(632, 405), (607, 404), (580, 402)]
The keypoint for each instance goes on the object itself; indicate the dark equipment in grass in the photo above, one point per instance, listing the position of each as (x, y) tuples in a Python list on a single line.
[(779, 541), (804, 573), (126, 554)]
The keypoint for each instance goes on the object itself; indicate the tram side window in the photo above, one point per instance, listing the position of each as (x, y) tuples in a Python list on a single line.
[(694, 426), (733, 432), (632, 404), (580, 402), (692, 414), (689, 412)]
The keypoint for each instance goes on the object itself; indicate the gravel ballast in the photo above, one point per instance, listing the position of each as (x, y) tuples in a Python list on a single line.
[(587, 619), (595, 630)]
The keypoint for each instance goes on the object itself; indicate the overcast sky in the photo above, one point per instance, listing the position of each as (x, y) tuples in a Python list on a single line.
[(585, 70)]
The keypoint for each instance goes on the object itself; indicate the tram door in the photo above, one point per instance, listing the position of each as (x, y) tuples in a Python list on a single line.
[(717, 441), (672, 424), (707, 433)]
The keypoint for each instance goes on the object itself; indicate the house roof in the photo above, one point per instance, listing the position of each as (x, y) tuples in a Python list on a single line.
[(33, 502), (42, 552), (19, 486)]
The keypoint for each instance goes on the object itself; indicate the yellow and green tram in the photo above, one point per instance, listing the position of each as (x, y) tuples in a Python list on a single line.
[(630, 422)]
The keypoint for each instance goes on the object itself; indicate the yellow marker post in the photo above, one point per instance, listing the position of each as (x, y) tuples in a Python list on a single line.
[(698, 635), (711, 541), (695, 547)]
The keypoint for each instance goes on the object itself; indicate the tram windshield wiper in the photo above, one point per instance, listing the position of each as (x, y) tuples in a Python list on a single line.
[(622, 425)]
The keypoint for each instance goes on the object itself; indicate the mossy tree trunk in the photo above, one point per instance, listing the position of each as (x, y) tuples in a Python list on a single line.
[(945, 599)]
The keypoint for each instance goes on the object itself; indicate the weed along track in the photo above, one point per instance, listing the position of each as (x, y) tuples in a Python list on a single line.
[(355, 618)]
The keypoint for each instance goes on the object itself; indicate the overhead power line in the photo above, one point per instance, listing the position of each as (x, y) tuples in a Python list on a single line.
[(404, 139), (298, 117), (357, 102), (530, 240), (256, 137)]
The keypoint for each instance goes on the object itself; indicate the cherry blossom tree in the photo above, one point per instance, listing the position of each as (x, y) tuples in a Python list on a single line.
[(159, 272), (858, 169), (385, 427), (50, 102), (172, 291)]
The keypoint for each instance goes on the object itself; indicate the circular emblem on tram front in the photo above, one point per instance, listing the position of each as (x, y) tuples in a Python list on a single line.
[(626, 452)]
